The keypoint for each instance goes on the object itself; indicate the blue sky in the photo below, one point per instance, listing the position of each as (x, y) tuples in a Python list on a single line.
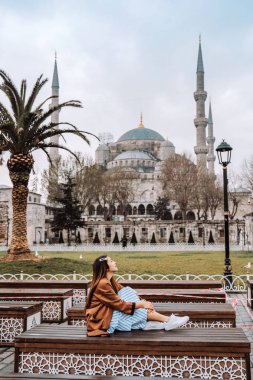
[(121, 58)]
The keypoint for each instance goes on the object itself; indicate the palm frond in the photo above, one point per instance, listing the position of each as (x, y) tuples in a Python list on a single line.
[(39, 107), (23, 93), (36, 89), (11, 92), (41, 119), (59, 146), (5, 115)]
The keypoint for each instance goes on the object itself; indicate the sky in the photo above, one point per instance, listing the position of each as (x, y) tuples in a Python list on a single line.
[(124, 57)]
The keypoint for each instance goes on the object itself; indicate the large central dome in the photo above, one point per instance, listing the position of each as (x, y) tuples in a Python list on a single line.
[(141, 134)]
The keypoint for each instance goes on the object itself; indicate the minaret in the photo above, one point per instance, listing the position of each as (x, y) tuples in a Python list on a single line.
[(54, 152), (210, 142), (200, 121)]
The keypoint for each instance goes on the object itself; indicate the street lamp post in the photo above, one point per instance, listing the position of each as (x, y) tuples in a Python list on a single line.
[(224, 157)]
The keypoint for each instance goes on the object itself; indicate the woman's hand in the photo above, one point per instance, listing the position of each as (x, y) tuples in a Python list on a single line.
[(145, 304)]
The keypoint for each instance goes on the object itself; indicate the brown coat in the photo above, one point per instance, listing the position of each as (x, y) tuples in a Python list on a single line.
[(104, 301)]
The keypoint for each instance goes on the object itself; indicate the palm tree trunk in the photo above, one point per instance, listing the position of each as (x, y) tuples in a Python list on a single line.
[(19, 169)]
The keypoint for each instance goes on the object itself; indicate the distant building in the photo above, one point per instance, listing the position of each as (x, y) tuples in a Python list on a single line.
[(35, 216)]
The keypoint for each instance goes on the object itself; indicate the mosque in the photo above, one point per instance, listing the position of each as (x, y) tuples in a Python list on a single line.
[(142, 151)]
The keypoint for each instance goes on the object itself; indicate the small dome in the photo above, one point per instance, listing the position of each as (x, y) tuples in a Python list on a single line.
[(103, 147), (134, 154), (168, 144), (141, 134)]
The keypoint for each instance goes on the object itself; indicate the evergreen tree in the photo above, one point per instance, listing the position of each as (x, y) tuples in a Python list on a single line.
[(133, 239), (96, 239), (61, 241), (153, 240), (69, 216), (190, 239), (161, 209), (78, 238), (211, 239), (171, 238), (116, 238)]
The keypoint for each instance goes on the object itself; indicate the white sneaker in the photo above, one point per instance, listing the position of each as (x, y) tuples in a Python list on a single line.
[(175, 322), (153, 325)]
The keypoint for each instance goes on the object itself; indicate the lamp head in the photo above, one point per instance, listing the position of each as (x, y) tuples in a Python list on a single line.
[(224, 153)]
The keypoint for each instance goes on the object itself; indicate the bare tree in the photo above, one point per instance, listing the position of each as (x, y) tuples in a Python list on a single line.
[(82, 170), (247, 173), (233, 195), (207, 195), (179, 178)]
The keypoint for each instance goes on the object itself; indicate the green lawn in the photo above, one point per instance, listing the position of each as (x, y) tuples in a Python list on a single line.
[(134, 262)]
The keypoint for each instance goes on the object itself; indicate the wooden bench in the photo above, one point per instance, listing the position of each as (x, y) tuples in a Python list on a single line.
[(250, 294), (55, 301), (181, 353), (16, 318), (182, 295), (79, 286), (172, 284), (202, 315)]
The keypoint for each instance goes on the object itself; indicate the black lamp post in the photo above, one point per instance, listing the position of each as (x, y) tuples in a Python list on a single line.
[(224, 157)]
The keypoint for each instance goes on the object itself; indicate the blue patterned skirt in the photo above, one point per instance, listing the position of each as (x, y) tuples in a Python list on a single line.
[(125, 322)]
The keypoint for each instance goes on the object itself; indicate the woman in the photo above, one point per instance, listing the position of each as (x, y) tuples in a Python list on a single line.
[(110, 306)]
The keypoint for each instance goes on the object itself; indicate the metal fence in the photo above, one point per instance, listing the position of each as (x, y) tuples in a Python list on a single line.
[(238, 284), (135, 248)]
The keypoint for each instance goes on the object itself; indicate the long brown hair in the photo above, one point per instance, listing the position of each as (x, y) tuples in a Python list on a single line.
[(100, 268)]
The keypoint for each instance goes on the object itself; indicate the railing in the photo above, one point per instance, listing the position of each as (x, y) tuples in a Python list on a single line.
[(136, 248), (238, 284)]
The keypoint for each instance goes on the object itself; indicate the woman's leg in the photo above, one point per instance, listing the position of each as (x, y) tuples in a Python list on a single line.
[(155, 316)]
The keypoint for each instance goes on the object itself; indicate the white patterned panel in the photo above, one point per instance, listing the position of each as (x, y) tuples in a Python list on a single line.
[(208, 325), (79, 297), (33, 320), (66, 305), (51, 310), (78, 322), (10, 328), (129, 365)]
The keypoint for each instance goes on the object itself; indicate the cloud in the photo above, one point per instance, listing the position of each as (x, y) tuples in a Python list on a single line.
[(124, 57)]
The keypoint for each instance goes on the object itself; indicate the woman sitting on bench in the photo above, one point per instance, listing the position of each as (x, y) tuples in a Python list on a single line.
[(111, 306)]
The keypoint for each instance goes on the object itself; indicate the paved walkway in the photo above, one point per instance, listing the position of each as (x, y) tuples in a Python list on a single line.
[(244, 319)]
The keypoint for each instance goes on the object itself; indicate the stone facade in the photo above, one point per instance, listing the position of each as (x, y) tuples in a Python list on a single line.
[(35, 216)]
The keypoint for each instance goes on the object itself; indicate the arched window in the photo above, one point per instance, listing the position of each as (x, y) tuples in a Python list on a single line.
[(178, 215), (141, 210), (119, 210), (190, 215), (99, 210), (167, 215), (91, 210), (150, 210), (129, 210), (134, 210)]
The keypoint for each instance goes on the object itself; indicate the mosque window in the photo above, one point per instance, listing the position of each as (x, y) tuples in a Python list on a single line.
[(163, 232), (108, 233), (30, 199), (144, 233), (90, 232), (91, 210), (141, 210)]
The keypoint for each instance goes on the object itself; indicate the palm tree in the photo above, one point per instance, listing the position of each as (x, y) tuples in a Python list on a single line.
[(22, 131)]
